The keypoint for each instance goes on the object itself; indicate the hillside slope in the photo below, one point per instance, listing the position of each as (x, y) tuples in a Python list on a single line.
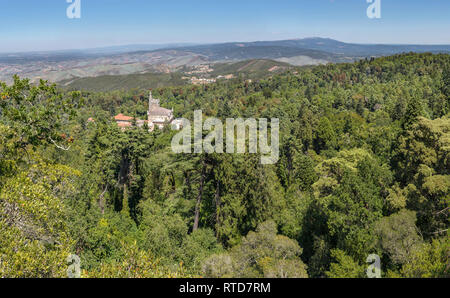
[(250, 69), (69, 65), (124, 82)]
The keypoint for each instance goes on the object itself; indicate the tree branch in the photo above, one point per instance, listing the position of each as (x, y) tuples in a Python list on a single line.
[(60, 147)]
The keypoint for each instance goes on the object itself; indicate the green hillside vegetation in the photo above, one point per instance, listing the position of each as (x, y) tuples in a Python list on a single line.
[(249, 69), (364, 169), (124, 82), (252, 69)]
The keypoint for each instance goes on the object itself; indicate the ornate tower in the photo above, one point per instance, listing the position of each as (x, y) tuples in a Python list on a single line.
[(152, 102)]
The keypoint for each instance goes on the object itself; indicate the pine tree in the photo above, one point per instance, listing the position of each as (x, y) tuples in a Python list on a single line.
[(414, 110)]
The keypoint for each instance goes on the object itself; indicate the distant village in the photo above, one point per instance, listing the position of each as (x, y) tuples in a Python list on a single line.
[(201, 70)]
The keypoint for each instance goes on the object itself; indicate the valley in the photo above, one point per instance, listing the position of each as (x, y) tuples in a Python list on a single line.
[(69, 66)]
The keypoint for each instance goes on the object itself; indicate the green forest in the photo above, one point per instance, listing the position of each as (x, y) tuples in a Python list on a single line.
[(364, 169)]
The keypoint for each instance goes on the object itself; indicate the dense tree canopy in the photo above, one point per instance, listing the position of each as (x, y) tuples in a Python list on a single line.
[(363, 169)]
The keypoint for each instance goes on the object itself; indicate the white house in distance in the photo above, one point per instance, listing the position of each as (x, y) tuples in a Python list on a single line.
[(157, 117)]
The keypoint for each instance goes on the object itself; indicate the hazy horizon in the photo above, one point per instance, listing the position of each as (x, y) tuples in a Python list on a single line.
[(209, 43)]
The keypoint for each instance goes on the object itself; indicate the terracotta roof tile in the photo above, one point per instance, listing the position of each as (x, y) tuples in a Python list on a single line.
[(122, 117), (124, 124)]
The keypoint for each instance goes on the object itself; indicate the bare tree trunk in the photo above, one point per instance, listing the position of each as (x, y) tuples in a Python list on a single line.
[(102, 200), (217, 201), (199, 198)]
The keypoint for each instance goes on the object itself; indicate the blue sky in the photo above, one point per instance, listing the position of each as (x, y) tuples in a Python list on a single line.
[(28, 25)]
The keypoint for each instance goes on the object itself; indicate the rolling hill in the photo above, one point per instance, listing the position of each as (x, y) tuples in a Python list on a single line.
[(249, 69), (69, 66), (124, 82)]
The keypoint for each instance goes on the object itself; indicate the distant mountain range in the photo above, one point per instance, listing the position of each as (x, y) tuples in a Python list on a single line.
[(139, 59), (315, 48), (343, 49)]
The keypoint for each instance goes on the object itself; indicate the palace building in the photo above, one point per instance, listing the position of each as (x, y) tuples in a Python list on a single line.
[(157, 116)]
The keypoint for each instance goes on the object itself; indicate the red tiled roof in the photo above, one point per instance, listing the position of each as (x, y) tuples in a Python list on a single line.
[(124, 124), (122, 117)]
